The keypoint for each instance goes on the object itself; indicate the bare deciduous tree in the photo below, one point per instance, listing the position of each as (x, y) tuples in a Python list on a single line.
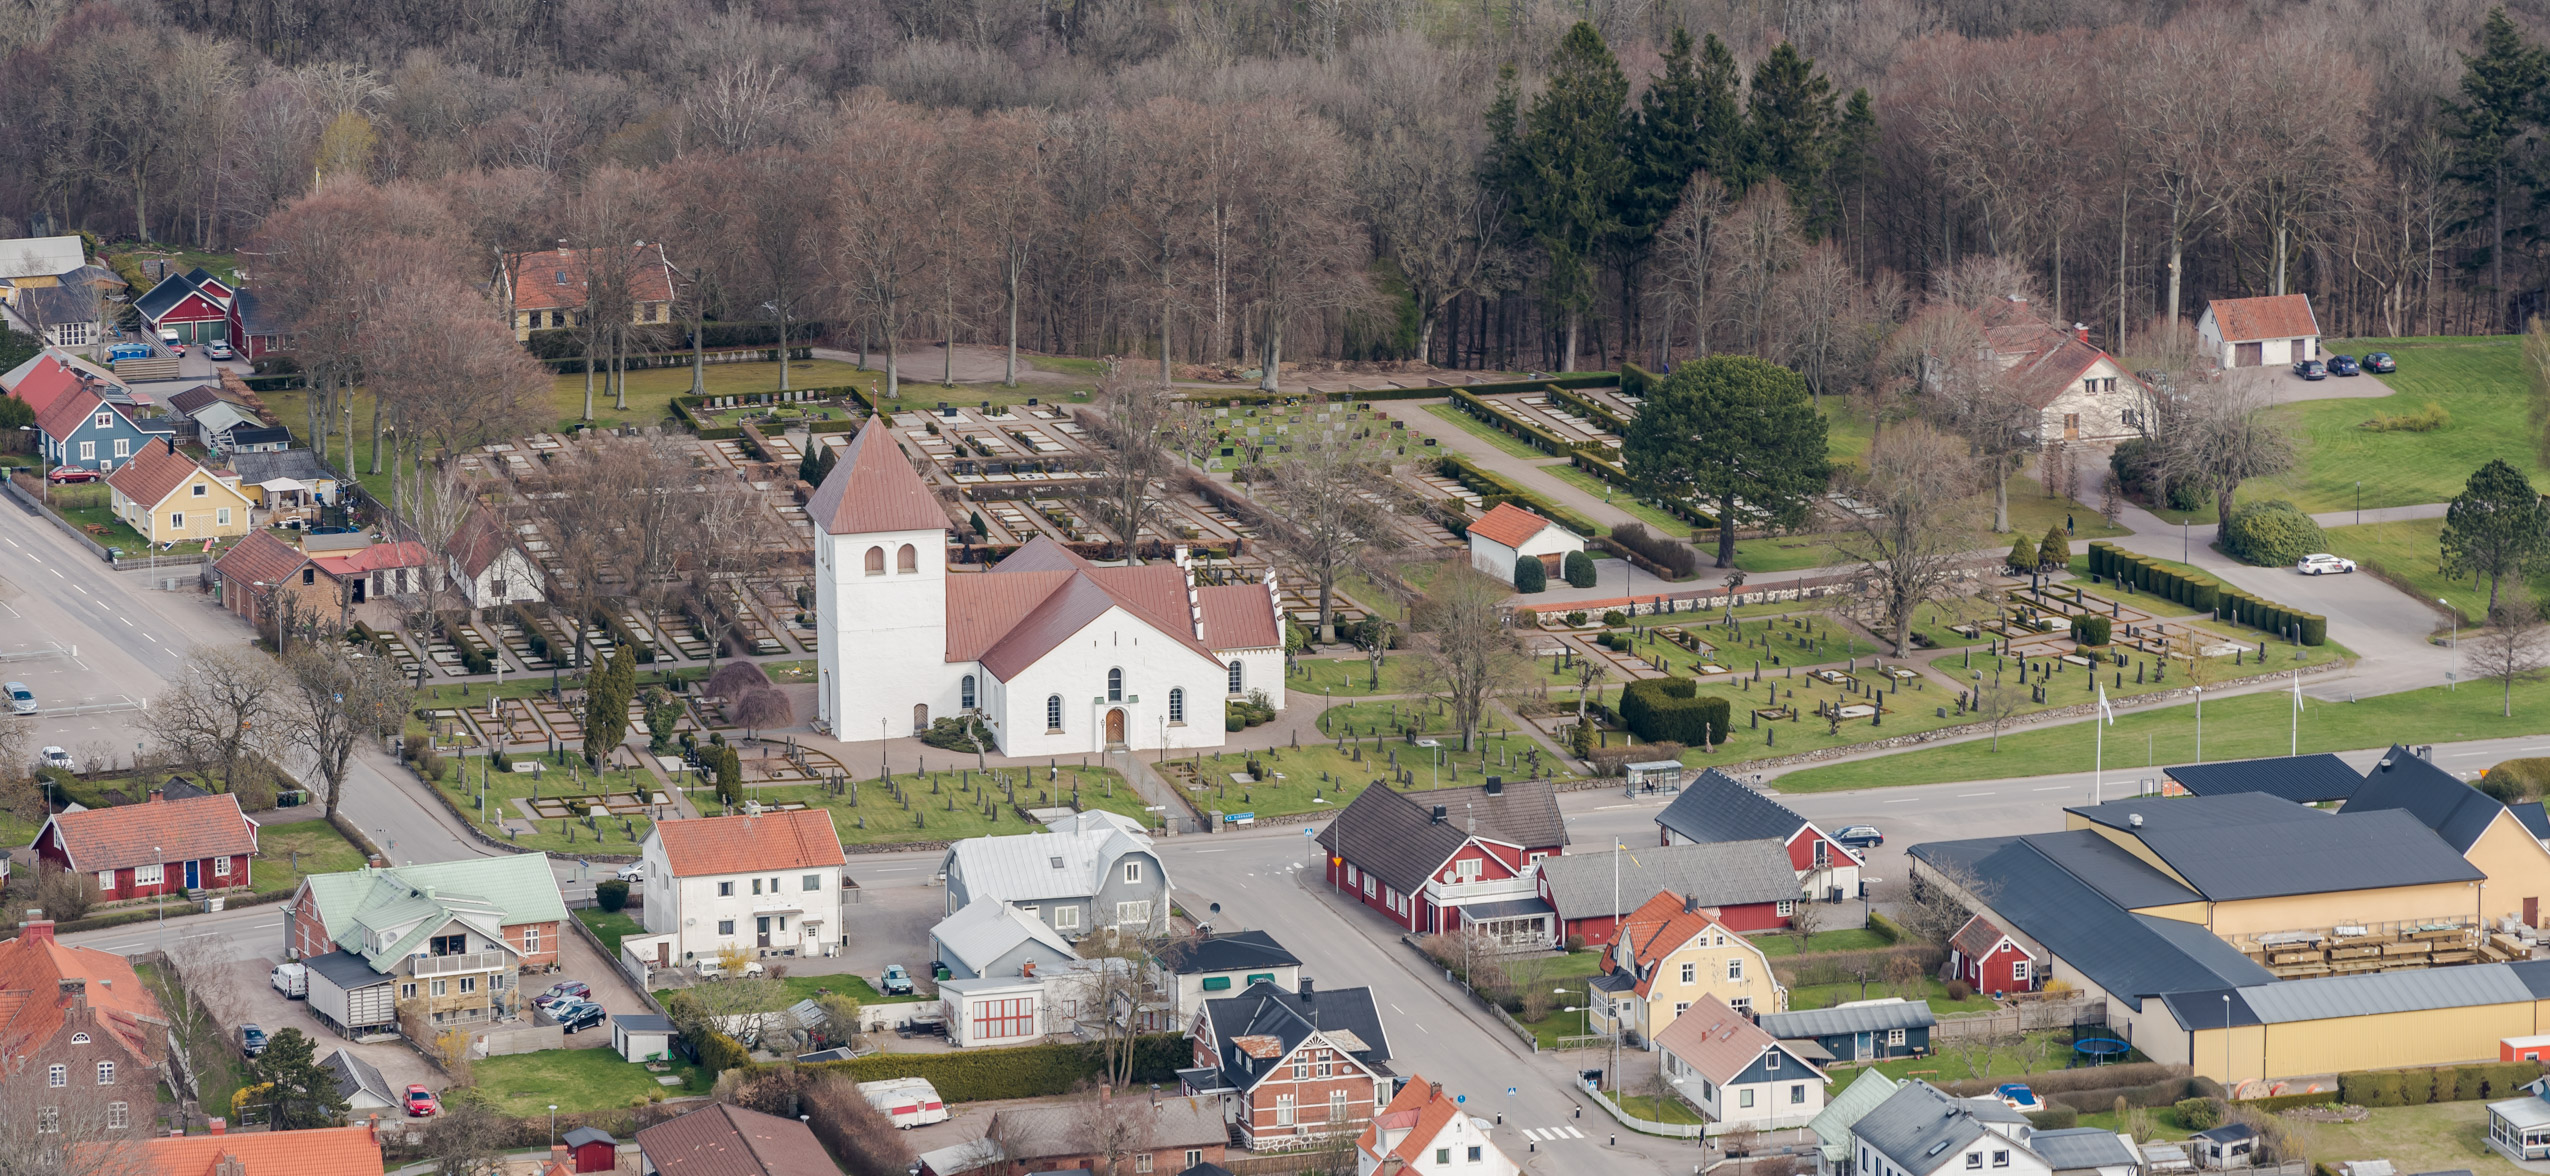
[(1335, 503), (337, 702), (2228, 438), (1131, 414), (1469, 655), (2513, 648), (220, 708), (1919, 514)]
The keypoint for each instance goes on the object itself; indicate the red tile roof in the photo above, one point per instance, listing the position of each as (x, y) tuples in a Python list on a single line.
[(1421, 1109), (724, 1140), (319, 1151), (260, 559), (873, 487), (1009, 617), (1239, 616), (789, 840), (478, 541), (67, 413), (2041, 358), (33, 1005), (1977, 938), (536, 284), (124, 836), (45, 383), (1660, 927), (1509, 524), (154, 473), (2283, 316), (406, 553)]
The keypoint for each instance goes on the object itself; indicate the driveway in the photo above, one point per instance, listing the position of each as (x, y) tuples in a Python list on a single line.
[(577, 960), (254, 1001)]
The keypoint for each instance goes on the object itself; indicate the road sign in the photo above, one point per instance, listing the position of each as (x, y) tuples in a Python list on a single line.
[(1310, 832), (1509, 1092), (1459, 1099)]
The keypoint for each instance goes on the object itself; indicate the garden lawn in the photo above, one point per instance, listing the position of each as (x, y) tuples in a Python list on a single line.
[(89, 507), (1661, 520), (2242, 727), (2031, 513), (576, 1080), (1825, 996), (1659, 1108), (609, 927), (797, 988), (291, 851), (1484, 431), (2432, 1138), (1947, 1065), (2479, 381), (2407, 554), (1321, 778), (1777, 944), (219, 1079), (1545, 973), (868, 814)]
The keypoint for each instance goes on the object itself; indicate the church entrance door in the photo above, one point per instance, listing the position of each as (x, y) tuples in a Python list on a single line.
[(1115, 727)]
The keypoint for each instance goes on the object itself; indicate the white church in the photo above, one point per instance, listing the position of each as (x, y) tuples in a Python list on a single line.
[(1056, 654)]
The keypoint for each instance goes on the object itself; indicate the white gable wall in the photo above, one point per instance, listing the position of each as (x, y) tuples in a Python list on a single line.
[(1496, 559), (2080, 414), (1153, 663), (887, 646)]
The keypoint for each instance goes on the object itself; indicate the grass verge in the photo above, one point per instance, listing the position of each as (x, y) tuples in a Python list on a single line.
[(1480, 429), (577, 1081), (290, 852)]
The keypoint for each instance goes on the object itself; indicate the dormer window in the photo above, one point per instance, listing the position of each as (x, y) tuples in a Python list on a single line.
[(562, 277), (79, 1039), (103, 419)]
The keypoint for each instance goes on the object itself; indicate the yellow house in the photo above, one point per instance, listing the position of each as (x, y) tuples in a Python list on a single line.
[(1672, 952), (168, 497)]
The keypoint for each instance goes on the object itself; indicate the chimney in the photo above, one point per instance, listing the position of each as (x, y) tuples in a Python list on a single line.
[(1690, 904), (1028, 969), (1496, 786), (2081, 331), (1439, 812), (158, 795), (2134, 819), (1434, 1092), (37, 928), (172, 444), (558, 1155), (1308, 990), (217, 1125)]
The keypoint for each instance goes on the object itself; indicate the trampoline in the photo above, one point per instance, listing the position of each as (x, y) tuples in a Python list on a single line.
[(2098, 1051)]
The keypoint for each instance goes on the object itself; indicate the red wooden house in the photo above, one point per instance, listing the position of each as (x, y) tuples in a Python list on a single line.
[(1718, 808), (159, 846), (195, 305), (1450, 858), (1984, 956), (1748, 885)]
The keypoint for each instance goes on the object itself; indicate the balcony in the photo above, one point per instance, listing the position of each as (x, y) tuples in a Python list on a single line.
[(453, 965), (1448, 893)]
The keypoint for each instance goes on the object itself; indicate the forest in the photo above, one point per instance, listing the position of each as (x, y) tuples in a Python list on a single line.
[(1243, 185)]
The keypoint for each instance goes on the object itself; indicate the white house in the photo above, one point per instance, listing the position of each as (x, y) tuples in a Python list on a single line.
[(992, 938), (2079, 392), (1199, 968), (1426, 1132), (1509, 532), (768, 883), (1739, 1076), (2259, 332), (1030, 1004), (1055, 654), (1097, 877), (1921, 1130), (489, 568)]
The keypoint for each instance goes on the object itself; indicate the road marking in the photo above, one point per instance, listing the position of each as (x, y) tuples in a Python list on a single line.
[(1423, 1029), (83, 589), (1208, 851), (1396, 1009), (1906, 800), (1964, 794), (2468, 754), (153, 636), (128, 622), (57, 574), (895, 870)]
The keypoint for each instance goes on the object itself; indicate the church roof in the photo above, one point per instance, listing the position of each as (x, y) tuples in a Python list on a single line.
[(1239, 616), (1018, 612), (874, 488)]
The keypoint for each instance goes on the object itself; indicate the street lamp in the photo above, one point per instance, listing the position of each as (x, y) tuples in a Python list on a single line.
[(1587, 1008), (44, 483), (161, 898), (2455, 674), (553, 1113)]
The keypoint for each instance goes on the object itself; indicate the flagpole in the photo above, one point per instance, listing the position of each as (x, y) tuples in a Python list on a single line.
[(2296, 747), (2098, 762), (2200, 724)]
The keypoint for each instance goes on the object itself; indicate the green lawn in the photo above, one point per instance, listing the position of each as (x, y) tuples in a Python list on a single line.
[(1776, 944), (1348, 677), (1322, 778), (485, 796), (807, 987), (947, 805), (91, 505), (218, 1079), (1948, 1065), (1659, 1108), (2247, 726), (2435, 1137), (2407, 554), (576, 1080), (289, 852), (609, 927), (1663, 521), (1825, 996), (2479, 381), (1485, 432)]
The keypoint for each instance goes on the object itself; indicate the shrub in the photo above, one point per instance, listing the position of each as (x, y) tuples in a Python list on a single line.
[(611, 894), (2429, 417), (1527, 618), (1661, 710), (2386, 1088), (1529, 576), (720, 1053), (2200, 1114), (2091, 630), (1959, 990), (1615, 618), (1576, 619), (2057, 1117), (951, 733), (2272, 533), (2055, 550), (2022, 555), (1677, 559), (1579, 570)]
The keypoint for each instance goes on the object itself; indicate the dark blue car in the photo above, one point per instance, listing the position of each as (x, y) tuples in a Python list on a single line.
[(2343, 365), (2380, 362)]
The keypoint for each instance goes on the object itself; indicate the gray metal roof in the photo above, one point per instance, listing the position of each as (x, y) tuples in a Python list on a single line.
[(581, 1136), (2527, 1111), (1719, 807), (987, 929), (1224, 951), (643, 1023), (1394, 834), (2408, 990), (2112, 869), (2251, 845), (1919, 1123), (2303, 779), (2439, 800), (297, 464), (1032, 867), (1505, 909), (2082, 1147), (1726, 873), (1865, 1017), (2536, 820), (355, 1076)]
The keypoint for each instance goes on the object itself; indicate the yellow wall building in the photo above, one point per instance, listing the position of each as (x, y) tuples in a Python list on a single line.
[(168, 498), (1671, 952)]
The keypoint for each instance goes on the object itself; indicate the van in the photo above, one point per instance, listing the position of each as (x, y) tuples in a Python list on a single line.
[(907, 1102), (292, 980)]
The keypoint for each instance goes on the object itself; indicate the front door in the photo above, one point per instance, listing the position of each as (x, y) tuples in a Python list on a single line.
[(2532, 912), (761, 930), (1115, 727), (2071, 426), (193, 877), (359, 585)]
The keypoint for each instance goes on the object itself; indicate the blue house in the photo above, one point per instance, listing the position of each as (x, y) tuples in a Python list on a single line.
[(84, 431), (1861, 1031)]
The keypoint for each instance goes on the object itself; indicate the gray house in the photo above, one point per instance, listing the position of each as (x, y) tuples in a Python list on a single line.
[(1858, 1031), (993, 938), (1091, 879)]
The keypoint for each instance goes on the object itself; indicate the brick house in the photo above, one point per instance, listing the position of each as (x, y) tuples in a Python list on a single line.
[(432, 944), (1293, 1067), (86, 1040), (545, 291), (160, 846), (1451, 858), (320, 1151), (1170, 1134), (262, 575), (1985, 957), (726, 1140), (1717, 807)]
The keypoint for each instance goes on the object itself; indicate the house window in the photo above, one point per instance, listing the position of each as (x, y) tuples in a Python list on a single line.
[(221, 518), (1283, 1110), (1217, 984), (1744, 1097), (2019, 971), (1142, 1163), (57, 1074), (810, 882), (1771, 1060), (124, 448), (876, 561), (1115, 685), (1235, 676), (88, 451), (468, 984), (725, 890), (1475, 1153), (147, 875), (221, 867), (1735, 969), (1133, 914), (1681, 1007), (1741, 1004), (106, 879), (119, 1115), (1367, 886), (1690, 973), (1177, 704), (531, 939), (1194, 1156), (442, 988), (562, 277), (448, 944), (407, 991), (1053, 714), (1301, 1069), (176, 519), (1443, 1155), (1894, 1037), (48, 1121), (1133, 873), (1823, 854), (726, 926), (1974, 1161), (965, 693), (102, 419), (906, 560), (2001, 1159), (1797, 1093), (1787, 907), (1323, 1067), (1066, 918), (309, 575), (199, 487), (756, 885), (106, 1073)]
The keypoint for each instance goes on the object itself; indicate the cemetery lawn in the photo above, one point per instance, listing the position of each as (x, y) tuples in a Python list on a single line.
[(1662, 521), (947, 805), (1483, 431), (1324, 778), (469, 785)]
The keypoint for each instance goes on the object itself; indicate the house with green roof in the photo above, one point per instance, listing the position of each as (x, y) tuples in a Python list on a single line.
[(410, 950)]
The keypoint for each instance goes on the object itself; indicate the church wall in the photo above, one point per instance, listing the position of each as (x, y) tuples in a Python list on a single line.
[(884, 648), (1077, 669)]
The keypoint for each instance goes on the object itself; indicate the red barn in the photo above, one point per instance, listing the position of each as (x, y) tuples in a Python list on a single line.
[(160, 846), (1447, 858), (1984, 956), (195, 305)]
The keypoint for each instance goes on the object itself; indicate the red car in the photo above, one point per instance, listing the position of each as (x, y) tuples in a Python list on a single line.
[(69, 474), (421, 1101)]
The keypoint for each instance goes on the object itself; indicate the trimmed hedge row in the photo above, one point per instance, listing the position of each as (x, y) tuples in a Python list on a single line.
[(1538, 437), (1639, 382), (2285, 1102), (1027, 1071), (2417, 1087), (1240, 399), (472, 658), (2206, 594), (1595, 412), (1667, 710), (623, 638), (1493, 488)]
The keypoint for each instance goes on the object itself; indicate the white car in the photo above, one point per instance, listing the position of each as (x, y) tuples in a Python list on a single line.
[(2322, 563), (60, 760), (632, 873)]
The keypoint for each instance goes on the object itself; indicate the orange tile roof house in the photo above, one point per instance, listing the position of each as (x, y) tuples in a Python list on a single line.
[(2256, 332), (2079, 392), (1425, 1131), (159, 846), (1509, 533), (262, 574), (1673, 953), (320, 1151), (769, 883), (546, 290), (726, 1140), (85, 1039)]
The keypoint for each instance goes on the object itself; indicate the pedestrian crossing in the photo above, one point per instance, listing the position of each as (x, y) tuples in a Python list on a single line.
[(1551, 1134)]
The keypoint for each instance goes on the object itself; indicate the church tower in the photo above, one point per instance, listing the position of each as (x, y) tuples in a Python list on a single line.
[(880, 590)]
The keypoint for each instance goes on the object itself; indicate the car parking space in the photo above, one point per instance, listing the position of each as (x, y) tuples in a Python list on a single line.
[(257, 1003), (577, 960)]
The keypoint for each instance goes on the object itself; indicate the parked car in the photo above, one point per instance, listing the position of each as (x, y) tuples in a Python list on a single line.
[(421, 1101), (69, 474), (177, 349), (21, 699), (219, 350), (2380, 362), (2322, 563), (562, 991), (632, 873), (895, 982), (60, 760), (2344, 365), (712, 970), (252, 1040), (583, 1014), (292, 980), (1861, 837), (2310, 369)]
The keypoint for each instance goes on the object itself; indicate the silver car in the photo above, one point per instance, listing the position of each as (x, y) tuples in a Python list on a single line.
[(21, 699)]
